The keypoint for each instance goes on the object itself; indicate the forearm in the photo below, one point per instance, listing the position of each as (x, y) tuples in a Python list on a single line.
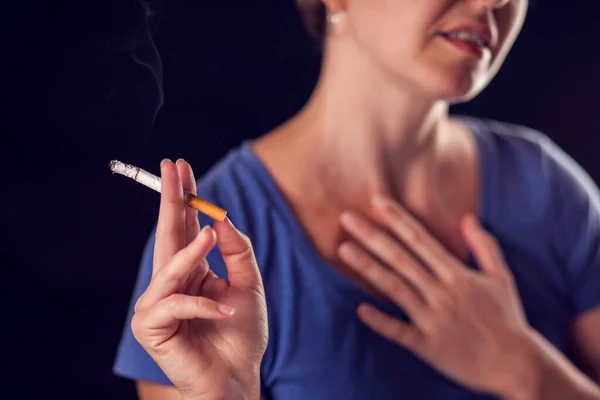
[(545, 374)]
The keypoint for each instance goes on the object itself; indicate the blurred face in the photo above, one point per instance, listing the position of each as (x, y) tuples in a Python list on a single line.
[(447, 49)]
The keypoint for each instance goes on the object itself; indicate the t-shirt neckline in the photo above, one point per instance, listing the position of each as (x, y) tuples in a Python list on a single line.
[(303, 244)]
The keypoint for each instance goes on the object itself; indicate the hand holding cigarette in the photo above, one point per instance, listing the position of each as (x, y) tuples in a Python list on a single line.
[(208, 335), (154, 182)]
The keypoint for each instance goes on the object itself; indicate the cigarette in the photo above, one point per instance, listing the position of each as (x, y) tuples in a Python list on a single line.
[(154, 183)]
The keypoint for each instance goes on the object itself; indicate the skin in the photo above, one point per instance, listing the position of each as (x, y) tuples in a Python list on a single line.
[(204, 349), (377, 126)]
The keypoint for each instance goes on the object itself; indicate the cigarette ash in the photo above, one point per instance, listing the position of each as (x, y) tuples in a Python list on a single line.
[(117, 167)]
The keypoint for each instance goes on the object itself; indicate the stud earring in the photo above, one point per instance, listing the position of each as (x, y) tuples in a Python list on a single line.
[(334, 18)]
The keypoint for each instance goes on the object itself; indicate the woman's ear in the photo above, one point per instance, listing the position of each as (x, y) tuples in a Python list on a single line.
[(335, 6), (336, 11)]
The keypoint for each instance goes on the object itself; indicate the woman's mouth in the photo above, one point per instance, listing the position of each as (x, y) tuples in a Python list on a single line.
[(468, 41)]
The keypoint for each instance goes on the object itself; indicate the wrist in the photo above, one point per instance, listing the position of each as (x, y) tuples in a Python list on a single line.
[(547, 374), (526, 370), (234, 389)]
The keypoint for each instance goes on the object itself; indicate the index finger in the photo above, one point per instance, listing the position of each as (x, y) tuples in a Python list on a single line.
[(415, 237), (170, 229)]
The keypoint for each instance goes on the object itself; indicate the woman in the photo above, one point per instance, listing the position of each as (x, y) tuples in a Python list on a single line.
[(405, 253)]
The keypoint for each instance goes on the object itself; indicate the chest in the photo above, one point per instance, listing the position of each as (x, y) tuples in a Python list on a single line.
[(439, 203)]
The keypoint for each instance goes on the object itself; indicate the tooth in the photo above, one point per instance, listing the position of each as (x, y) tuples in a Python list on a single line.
[(464, 35), (467, 36)]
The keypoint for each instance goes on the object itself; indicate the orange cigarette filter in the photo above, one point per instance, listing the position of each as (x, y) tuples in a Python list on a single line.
[(205, 207)]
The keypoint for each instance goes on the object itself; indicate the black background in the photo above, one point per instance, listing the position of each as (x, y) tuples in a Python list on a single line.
[(87, 82)]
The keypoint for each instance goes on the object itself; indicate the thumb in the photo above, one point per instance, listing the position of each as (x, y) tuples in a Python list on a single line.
[(236, 250), (484, 246)]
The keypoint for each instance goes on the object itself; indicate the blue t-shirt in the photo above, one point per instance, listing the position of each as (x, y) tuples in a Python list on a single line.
[(541, 206)]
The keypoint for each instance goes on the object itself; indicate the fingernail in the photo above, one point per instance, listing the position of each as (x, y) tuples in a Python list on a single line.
[(207, 230), (380, 202), (349, 219), (227, 221), (165, 160), (471, 219), (180, 160), (363, 309), (346, 251), (225, 310)]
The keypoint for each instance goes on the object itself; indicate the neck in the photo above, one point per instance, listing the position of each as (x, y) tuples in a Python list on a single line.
[(361, 134)]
